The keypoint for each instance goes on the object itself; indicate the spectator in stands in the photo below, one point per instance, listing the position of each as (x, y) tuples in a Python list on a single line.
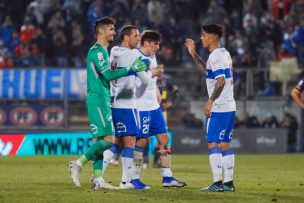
[(154, 11), (266, 55), (6, 31), (14, 42), (270, 121), (94, 13), (251, 121), (72, 9), (139, 12), (27, 31), (56, 22), (268, 90), (290, 122), (215, 14), (60, 48), (77, 45), (5, 58)]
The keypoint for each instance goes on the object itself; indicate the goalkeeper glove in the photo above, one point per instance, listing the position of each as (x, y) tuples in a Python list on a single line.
[(138, 66)]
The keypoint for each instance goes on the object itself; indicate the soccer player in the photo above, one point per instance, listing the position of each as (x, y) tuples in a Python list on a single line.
[(98, 100), (169, 95), (296, 95), (124, 110), (220, 107), (152, 121)]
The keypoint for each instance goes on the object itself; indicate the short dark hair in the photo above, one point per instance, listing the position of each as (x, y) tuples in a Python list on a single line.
[(103, 21), (150, 35), (213, 29), (126, 30)]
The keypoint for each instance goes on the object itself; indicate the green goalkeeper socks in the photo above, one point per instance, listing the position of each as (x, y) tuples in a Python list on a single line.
[(97, 148), (97, 168)]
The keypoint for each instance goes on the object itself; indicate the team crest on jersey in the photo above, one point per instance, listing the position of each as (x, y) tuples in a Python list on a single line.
[(121, 128), (109, 117)]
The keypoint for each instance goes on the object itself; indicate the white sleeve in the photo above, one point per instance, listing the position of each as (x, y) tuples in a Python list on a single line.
[(144, 79)]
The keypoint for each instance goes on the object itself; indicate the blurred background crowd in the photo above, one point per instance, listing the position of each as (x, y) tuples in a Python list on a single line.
[(58, 32)]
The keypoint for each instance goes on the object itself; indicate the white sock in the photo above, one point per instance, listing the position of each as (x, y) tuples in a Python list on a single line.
[(107, 157), (79, 162), (215, 158), (127, 164), (228, 164), (166, 172), (137, 162)]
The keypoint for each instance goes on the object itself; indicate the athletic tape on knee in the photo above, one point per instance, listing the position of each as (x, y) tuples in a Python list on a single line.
[(165, 160), (163, 152), (138, 155)]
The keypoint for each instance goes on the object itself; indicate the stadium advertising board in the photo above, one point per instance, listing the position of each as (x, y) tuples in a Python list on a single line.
[(42, 84), (45, 143), (38, 115)]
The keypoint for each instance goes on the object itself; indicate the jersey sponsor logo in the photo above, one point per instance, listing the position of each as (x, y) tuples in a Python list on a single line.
[(23, 116), (2, 116), (53, 116), (94, 129), (121, 128)]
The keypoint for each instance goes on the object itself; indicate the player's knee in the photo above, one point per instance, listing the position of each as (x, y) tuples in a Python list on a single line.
[(225, 146), (164, 151), (138, 156), (110, 139), (213, 144), (163, 140)]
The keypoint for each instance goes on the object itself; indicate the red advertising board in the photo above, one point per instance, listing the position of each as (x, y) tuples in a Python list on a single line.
[(10, 143)]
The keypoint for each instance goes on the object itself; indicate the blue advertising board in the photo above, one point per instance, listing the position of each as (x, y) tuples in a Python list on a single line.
[(42, 83)]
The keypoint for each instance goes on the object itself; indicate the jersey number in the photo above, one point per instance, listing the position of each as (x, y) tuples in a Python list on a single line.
[(145, 129)]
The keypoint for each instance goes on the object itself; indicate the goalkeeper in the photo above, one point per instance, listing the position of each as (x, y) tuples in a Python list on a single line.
[(98, 102)]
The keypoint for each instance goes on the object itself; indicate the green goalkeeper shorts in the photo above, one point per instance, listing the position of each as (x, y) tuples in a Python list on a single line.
[(100, 119)]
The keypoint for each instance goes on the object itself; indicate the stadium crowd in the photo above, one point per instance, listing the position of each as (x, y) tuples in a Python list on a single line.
[(58, 32)]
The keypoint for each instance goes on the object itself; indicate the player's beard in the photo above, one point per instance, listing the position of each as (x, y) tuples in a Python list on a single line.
[(111, 39)]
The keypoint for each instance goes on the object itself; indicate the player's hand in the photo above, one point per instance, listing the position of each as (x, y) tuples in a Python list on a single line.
[(138, 66), (207, 109), (166, 105), (147, 62), (153, 72), (190, 44)]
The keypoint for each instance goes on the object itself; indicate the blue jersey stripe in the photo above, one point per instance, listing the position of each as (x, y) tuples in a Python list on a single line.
[(213, 74), (129, 73)]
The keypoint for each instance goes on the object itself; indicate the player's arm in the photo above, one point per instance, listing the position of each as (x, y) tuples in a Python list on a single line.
[(296, 95), (219, 86), (101, 60), (159, 97), (190, 44)]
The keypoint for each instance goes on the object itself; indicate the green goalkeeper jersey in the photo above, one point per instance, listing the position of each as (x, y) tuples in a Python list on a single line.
[(99, 75)]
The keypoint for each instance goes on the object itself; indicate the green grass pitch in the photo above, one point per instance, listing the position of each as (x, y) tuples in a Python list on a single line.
[(258, 178)]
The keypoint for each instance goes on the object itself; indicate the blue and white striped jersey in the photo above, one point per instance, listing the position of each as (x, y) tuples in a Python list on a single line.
[(219, 64)]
